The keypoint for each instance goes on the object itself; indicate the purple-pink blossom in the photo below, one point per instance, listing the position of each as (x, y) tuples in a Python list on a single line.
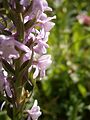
[(34, 112), (4, 85), (23, 49), (41, 65), (83, 19), (7, 48), (25, 3)]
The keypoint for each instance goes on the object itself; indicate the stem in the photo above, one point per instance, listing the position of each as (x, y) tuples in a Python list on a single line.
[(14, 118)]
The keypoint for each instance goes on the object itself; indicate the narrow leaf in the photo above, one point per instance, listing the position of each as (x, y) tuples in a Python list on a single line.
[(8, 67)]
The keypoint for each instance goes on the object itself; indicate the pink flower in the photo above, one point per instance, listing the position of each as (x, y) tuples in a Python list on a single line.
[(41, 65), (8, 51), (84, 19), (38, 7), (7, 88), (45, 22), (7, 48), (40, 41), (4, 85), (35, 112), (25, 2)]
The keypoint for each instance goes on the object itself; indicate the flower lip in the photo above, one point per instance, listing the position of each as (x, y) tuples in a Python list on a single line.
[(34, 112)]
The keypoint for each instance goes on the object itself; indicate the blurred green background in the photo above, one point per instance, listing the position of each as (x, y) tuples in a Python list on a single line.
[(65, 93)]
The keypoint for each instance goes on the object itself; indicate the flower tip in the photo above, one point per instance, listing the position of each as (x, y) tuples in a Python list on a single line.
[(35, 103)]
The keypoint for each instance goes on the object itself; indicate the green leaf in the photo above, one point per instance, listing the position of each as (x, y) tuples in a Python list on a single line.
[(2, 11), (5, 4), (3, 116), (28, 86), (20, 26), (3, 22), (82, 90), (5, 32), (24, 65), (18, 22), (23, 69), (8, 67), (29, 24)]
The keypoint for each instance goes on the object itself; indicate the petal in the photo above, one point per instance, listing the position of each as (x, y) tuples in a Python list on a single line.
[(36, 73), (22, 46), (7, 89), (48, 26), (25, 2), (29, 118), (35, 103), (42, 74)]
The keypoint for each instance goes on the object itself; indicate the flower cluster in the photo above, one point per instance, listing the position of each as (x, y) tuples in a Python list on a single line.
[(24, 32)]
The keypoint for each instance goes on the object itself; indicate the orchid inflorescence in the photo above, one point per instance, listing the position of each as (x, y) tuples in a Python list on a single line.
[(24, 31)]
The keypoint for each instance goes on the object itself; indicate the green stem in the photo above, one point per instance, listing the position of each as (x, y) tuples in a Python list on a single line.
[(14, 116)]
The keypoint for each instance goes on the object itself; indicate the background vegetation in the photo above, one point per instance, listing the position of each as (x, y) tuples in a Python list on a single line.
[(65, 93)]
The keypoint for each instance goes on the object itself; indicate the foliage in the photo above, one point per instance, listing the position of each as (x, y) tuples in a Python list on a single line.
[(65, 93)]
